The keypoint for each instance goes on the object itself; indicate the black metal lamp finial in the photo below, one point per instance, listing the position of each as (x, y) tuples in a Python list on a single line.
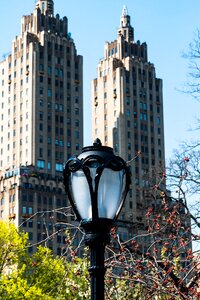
[(97, 143)]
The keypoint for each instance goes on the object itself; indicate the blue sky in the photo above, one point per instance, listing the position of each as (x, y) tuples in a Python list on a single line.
[(167, 26)]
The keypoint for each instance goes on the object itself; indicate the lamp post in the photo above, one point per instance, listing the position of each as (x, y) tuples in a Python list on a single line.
[(97, 183)]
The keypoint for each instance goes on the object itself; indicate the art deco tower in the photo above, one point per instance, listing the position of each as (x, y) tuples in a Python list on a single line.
[(41, 122), (127, 113)]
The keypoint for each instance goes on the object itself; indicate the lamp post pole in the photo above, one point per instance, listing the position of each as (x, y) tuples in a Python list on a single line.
[(96, 239), (97, 271), (97, 183)]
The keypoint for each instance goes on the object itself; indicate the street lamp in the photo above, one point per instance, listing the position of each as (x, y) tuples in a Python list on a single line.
[(97, 183)]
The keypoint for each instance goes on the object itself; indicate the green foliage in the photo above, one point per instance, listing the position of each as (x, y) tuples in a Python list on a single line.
[(43, 276), (40, 276), (45, 272), (17, 287), (77, 280), (12, 245), (124, 289)]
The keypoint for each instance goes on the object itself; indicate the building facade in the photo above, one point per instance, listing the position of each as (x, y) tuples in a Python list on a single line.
[(127, 114), (41, 122)]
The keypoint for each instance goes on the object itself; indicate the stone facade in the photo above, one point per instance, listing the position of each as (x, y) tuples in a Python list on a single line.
[(41, 123), (127, 114)]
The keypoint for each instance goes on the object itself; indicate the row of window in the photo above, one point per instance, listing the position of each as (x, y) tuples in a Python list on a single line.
[(15, 62), (12, 210), (41, 165)]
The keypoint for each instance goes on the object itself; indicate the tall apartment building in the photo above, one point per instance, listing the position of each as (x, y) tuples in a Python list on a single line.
[(127, 113), (41, 123)]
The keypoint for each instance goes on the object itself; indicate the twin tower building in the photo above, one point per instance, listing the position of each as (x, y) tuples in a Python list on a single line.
[(41, 122)]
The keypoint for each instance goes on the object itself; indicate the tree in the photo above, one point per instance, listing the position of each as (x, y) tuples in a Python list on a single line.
[(193, 55), (12, 245), (40, 276), (166, 270), (184, 179)]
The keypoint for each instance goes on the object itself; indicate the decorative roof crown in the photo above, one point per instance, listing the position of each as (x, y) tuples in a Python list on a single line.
[(46, 6)]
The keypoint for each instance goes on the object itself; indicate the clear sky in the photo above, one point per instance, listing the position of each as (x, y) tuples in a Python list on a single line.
[(167, 26)]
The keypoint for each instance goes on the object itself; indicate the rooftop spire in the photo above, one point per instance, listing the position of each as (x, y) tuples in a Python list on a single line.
[(124, 11), (46, 6), (125, 28)]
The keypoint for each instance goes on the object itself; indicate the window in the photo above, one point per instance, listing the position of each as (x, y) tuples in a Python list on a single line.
[(49, 93), (30, 210), (30, 236), (41, 152), (56, 106), (49, 70), (41, 115), (24, 210), (61, 131), (59, 167), (77, 134), (41, 68), (40, 164)]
